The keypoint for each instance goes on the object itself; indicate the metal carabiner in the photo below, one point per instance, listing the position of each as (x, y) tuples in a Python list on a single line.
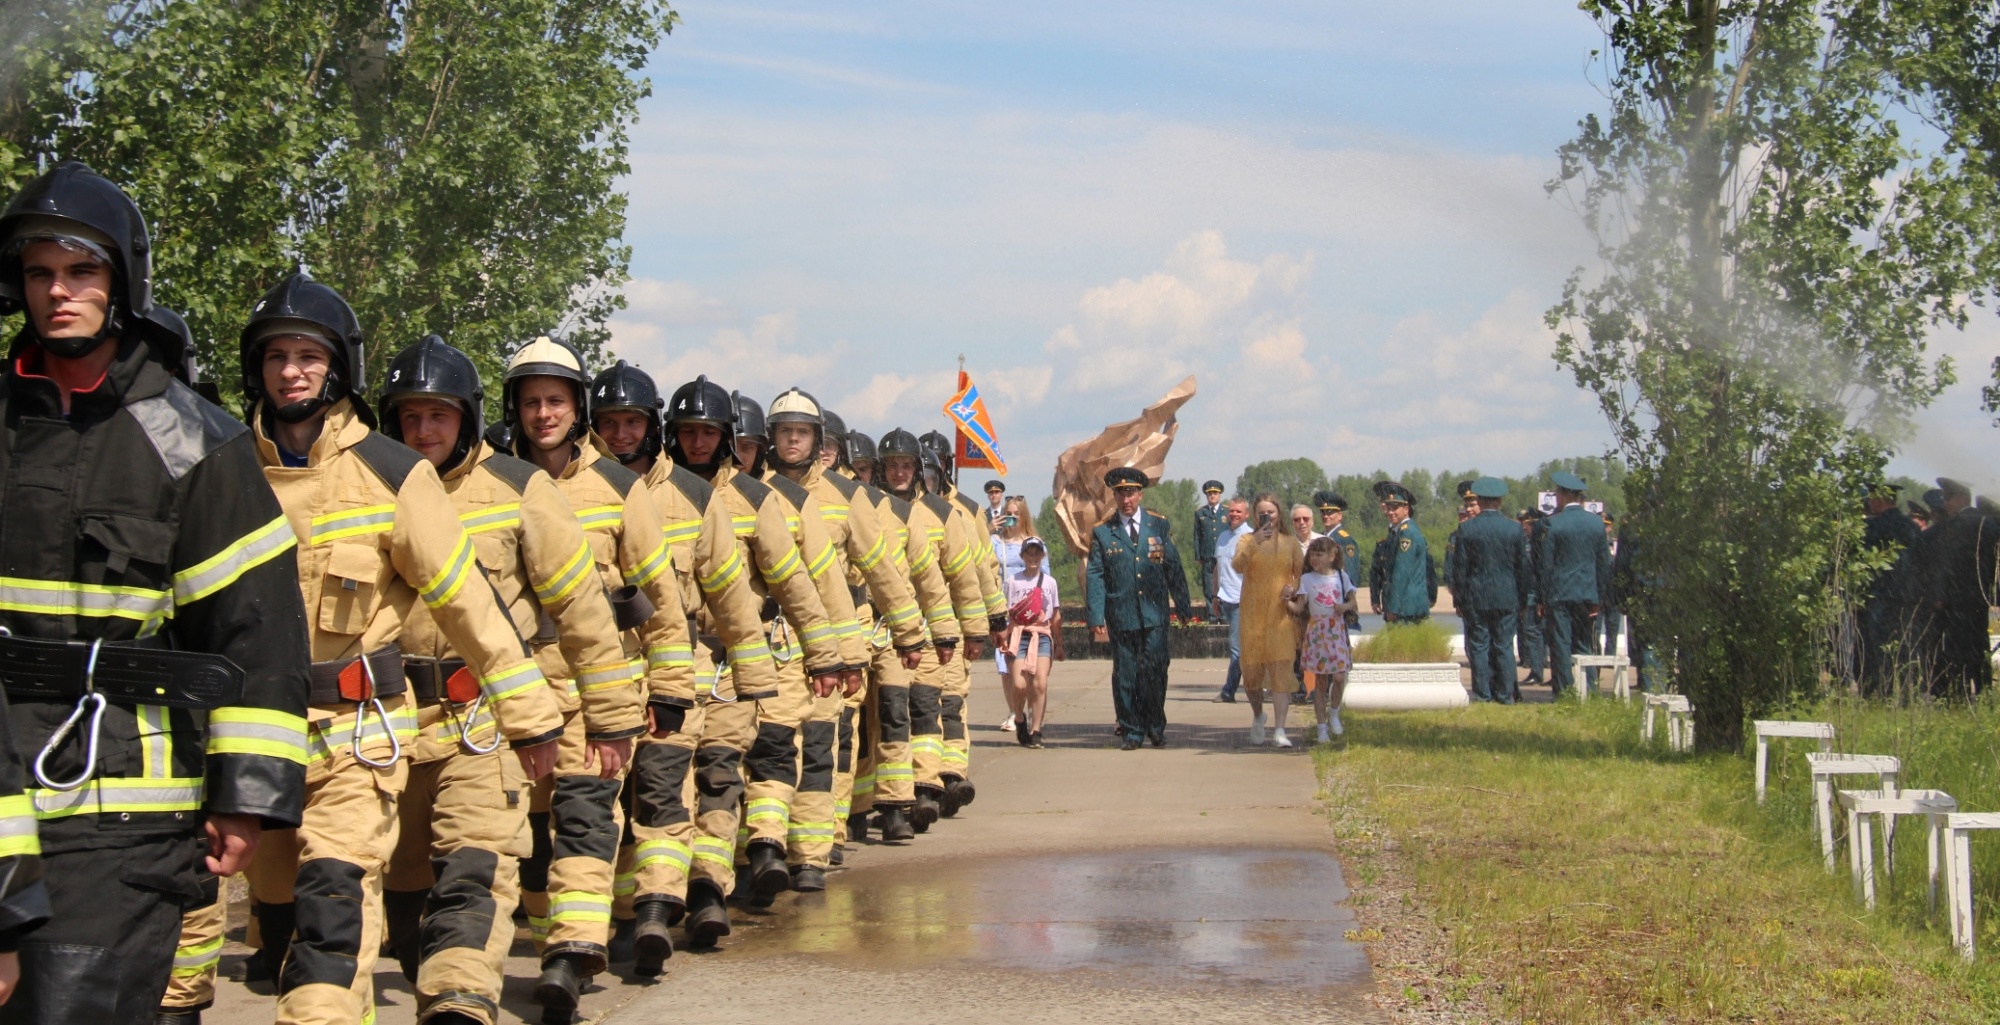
[(465, 727), (92, 700), (782, 652), (881, 638), (381, 715), (715, 689)]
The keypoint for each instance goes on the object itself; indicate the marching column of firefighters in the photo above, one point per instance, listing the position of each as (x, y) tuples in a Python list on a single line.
[(610, 662)]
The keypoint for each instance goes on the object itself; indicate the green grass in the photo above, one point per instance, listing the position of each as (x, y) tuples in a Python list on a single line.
[(1424, 641), (1583, 877)]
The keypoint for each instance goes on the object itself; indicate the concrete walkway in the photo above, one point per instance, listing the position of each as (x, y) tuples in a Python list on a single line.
[(1195, 883)]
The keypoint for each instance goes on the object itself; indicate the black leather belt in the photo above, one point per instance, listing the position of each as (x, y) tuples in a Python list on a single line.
[(139, 673), (428, 677), (386, 663)]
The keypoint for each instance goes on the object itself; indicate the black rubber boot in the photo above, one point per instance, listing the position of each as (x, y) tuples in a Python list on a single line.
[(275, 923), (838, 857), (707, 915), (403, 913), (857, 827), (623, 933), (559, 988), (651, 944), (176, 1017), (768, 874), (895, 824), (925, 813), (964, 792), (948, 803), (452, 1018), (808, 878)]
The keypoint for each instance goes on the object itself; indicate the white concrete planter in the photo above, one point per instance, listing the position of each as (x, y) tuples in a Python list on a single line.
[(1392, 686)]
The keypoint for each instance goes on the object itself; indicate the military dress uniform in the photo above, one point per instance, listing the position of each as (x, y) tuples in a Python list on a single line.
[(1883, 613), (1959, 595), (1211, 521), (1405, 559), (1490, 574), (1573, 574), (1531, 643), (1133, 571)]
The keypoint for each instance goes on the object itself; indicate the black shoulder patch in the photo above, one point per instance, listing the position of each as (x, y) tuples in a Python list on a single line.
[(183, 427), (516, 472), (620, 479), (846, 485), (751, 488), (793, 491), (971, 507), (691, 485), (901, 508), (390, 459), (938, 507)]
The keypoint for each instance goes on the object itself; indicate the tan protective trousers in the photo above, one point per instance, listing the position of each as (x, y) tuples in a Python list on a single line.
[(956, 757), (191, 986), (771, 767), (812, 830), (464, 827), (660, 800), (578, 822), (927, 717)]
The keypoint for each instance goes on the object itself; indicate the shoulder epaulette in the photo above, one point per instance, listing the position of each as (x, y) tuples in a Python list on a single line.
[(620, 478), (692, 486), (183, 427), (516, 472), (847, 486), (751, 488), (1150, 514), (793, 491), (390, 459), (970, 506), (938, 507)]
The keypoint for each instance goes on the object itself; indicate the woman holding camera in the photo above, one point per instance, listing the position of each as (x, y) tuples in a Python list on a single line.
[(1269, 559)]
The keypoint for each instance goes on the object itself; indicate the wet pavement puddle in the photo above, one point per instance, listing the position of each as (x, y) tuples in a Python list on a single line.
[(1150, 918)]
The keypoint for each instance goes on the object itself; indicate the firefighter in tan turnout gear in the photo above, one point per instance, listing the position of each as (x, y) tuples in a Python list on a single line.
[(377, 533), (700, 437), (865, 564), (568, 883), (660, 792), (464, 813), (967, 522)]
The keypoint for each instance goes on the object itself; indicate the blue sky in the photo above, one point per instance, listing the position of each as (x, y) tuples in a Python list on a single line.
[(1330, 214)]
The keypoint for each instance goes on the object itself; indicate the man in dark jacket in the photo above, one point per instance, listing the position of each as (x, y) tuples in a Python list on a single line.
[(1490, 579), (1210, 523), (1573, 573), (149, 587), (1134, 569), (1880, 619)]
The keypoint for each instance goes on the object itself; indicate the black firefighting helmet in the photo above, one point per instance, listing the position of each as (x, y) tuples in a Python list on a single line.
[(750, 424), (701, 401), (833, 435), (83, 211), (623, 387), (860, 448), (900, 442), (432, 369), (937, 458), (796, 407), (545, 356), (299, 305)]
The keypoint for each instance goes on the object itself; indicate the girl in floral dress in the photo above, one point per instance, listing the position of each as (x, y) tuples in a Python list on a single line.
[(1324, 596)]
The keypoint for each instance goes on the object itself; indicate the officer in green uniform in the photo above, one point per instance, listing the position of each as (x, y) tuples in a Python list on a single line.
[(1407, 591), (1133, 570), (1211, 521), (1959, 590), (1531, 644), (1468, 507), (1573, 571), (1489, 579)]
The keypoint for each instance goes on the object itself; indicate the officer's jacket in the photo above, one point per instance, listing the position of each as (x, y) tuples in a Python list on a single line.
[(822, 557), (1961, 561), (871, 555), (958, 557), (1350, 551), (528, 541), (768, 557), (916, 555), (141, 518), (991, 587), (1489, 568), (1210, 523), (628, 542), (1896, 532), (1127, 584), (707, 563), (1407, 560), (867, 555), (1574, 560), (377, 533)]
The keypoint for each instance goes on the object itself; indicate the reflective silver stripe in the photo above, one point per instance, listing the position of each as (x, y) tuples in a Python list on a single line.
[(154, 741), (219, 571), (60, 598), (119, 795)]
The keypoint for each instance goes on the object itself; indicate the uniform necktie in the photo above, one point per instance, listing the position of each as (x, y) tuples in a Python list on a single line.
[(1132, 528)]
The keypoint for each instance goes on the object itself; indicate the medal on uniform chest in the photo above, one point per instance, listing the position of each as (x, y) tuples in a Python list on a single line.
[(1153, 549)]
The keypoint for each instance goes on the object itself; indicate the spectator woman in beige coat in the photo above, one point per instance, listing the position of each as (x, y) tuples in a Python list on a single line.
[(1269, 559)]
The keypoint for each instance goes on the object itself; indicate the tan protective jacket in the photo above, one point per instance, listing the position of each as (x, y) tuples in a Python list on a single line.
[(991, 585), (918, 557), (868, 554), (629, 543), (958, 558), (376, 533), (823, 563), (764, 543), (703, 541), (534, 552)]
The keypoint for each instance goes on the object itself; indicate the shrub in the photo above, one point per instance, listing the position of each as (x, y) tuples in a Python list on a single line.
[(1406, 642)]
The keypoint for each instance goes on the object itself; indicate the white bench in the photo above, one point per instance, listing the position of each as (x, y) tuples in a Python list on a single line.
[(1618, 664), (1958, 828), (1934, 805), (1680, 720), (1768, 728), (1825, 766)]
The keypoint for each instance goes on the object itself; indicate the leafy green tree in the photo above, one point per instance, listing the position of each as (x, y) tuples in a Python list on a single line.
[(447, 164), (1774, 251), (1292, 480)]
